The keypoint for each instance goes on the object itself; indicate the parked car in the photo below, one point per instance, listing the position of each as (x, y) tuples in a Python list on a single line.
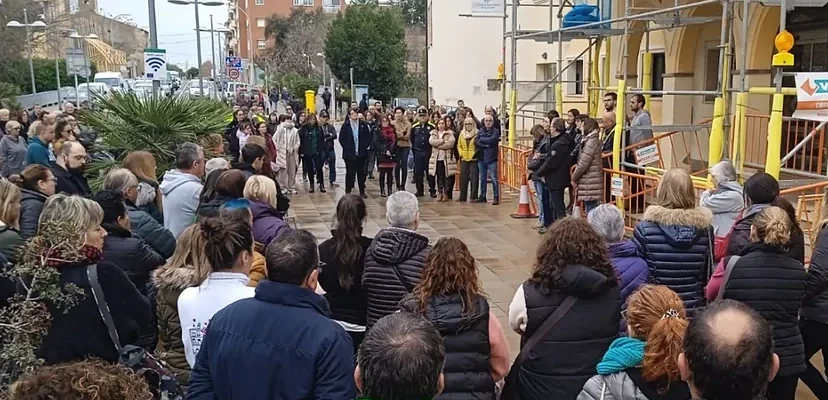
[(406, 103)]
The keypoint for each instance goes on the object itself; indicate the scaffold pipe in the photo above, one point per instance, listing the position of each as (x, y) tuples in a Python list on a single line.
[(617, 151), (741, 144), (787, 91), (772, 159), (559, 98), (595, 80), (512, 112), (646, 79), (803, 142), (605, 64), (714, 154)]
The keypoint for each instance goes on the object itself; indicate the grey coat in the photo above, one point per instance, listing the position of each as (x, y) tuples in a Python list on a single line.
[(618, 386), (726, 203), (12, 155)]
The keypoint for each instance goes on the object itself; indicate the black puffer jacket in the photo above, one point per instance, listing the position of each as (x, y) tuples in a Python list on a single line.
[(130, 253), (154, 234), (740, 237), (467, 372), (395, 254), (211, 208), (815, 304), (773, 284), (31, 204), (566, 357), (677, 247)]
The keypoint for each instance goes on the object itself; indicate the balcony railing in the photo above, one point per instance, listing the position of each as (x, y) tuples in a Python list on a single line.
[(331, 9)]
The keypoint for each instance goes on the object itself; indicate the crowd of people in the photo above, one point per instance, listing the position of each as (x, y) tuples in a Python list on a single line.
[(200, 267)]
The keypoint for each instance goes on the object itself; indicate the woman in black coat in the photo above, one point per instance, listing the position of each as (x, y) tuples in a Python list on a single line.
[(554, 170), (344, 259), (36, 184), (675, 239), (130, 253), (311, 148), (765, 278), (572, 262), (761, 191), (79, 332), (813, 317)]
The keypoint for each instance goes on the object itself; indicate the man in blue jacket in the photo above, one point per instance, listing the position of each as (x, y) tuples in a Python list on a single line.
[(281, 344), (38, 151), (488, 141)]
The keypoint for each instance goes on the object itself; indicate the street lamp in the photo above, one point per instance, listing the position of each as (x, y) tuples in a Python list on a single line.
[(76, 36), (323, 66), (213, 31), (249, 43), (198, 34), (27, 26)]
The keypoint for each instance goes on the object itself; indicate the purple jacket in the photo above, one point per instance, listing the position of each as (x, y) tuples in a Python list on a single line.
[(631, 269), (267, 222)]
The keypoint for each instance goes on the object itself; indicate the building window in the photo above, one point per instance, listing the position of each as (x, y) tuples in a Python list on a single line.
[(575, 76), (260, 22), (261, 44), (493, 85), (657, 78), (259, 2), (711, 72), (305, 3)]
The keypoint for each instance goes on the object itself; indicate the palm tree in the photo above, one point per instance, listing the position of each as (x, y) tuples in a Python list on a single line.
[(158, 124)]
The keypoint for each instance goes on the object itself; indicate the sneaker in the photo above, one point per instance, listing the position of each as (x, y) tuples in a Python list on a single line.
[(293, 191), (334, 184), (541, 231), (479, 200), (537, 226)]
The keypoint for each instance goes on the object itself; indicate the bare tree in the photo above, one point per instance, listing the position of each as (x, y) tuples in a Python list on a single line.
[(296, 39)]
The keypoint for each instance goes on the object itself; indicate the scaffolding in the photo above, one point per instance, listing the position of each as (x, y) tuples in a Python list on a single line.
[(598, 34)]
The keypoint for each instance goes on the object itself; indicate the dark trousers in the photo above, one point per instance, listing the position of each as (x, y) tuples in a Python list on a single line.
[(401, 170), (420, 172), (468, 176), (386, 177), (783, 388), (553, 201), (442, 179), (450, 183), (356, 339), (312, 165), (330, 157), (355, 169), (815, 338), (370, 163)]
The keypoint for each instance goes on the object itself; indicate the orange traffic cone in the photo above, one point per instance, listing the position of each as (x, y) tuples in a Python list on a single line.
[(524, 206)]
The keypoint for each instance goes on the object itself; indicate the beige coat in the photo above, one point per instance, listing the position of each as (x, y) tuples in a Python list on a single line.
[(588, 173), (442, 143)]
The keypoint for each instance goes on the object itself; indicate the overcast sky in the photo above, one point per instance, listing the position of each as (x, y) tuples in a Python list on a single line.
[(175, 23)]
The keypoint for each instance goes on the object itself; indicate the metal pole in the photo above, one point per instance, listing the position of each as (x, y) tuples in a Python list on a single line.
[(29, 49), (782, 26), (558, 84), (198, 46), (213, 45), (743, 67), (503, 63), (352, 86), (804, 141), (57, 78), (156, 85), (513, 72), (75, 46), (88, 61)]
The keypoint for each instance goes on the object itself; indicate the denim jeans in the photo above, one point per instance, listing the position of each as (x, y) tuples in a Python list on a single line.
[(590, 205), (540, 187), (330, 157), (488, 170), (555, 207)]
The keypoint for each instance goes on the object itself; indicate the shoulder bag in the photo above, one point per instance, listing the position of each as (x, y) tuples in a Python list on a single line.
[(731, 262), (407, 285), (161, 380), (510, 387)]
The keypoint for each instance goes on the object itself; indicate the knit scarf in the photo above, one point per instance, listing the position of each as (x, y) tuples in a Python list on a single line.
[(469, 134), (623, 353), (87, 254)]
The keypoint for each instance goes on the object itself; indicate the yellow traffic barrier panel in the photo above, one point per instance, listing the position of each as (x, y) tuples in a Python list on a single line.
[(714, 152), (559, 98), (773, 159)]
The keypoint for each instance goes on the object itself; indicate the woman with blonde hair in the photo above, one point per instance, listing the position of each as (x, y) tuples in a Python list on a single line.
[(644, 364), (451, 296), (13, 148), (287, 143), (10, 239), (773, 284), (268, 222), (675, 238), (170, 280), (469, 175), (142, 164), (442, 162), (78, 332), (402, 126)]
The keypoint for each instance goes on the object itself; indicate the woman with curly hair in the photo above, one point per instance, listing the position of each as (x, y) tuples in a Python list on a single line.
[(573, 274), (451, 297), (89, 379), (644, 364)]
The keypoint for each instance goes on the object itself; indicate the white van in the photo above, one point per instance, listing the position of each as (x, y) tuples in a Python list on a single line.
[(111, 79)]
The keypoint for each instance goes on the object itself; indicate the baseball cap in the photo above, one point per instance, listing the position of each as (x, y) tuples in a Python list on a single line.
[(324, 114)]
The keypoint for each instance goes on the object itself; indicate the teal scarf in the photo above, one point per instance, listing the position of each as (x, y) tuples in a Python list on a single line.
[(622, 354)]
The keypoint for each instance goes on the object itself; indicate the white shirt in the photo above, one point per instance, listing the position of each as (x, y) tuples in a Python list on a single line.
[(197, 305)]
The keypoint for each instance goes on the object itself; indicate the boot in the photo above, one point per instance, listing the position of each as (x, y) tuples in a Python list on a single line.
[(322, 188), (382, 192), (311, 190), (440, 198)]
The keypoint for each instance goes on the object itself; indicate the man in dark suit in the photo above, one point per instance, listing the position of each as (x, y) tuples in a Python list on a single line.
[(355, 138)]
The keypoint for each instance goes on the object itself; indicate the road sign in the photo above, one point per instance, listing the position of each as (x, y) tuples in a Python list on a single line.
[(487, 8), (155, 64), (233, 73), (76, 63), (233, 62)]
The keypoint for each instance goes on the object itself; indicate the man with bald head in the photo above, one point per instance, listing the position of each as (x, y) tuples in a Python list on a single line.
[(728, 353)]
